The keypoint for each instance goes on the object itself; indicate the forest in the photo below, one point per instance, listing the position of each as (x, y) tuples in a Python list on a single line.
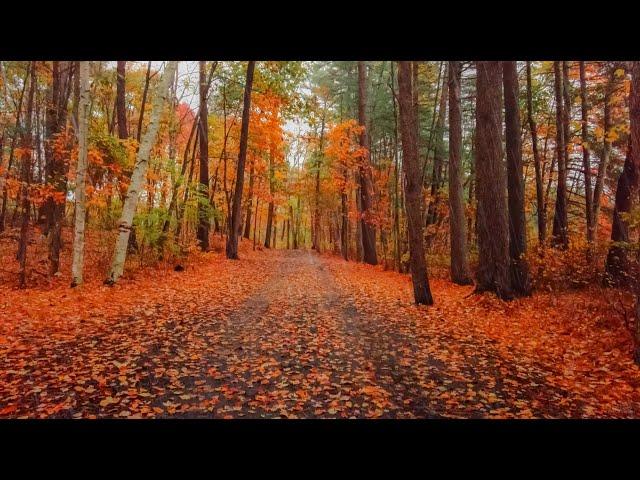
[(319, 239)]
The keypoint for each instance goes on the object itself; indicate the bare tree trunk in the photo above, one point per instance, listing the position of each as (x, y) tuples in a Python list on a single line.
[(137, 177), (80, 194), (412, 187), (460, 272), (235, 222), (203, 199), (560, 233), (541, 212), (492, 224), (520, 281)]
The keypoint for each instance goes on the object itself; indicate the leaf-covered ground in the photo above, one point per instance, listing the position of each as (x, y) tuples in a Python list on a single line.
[(296, 335)]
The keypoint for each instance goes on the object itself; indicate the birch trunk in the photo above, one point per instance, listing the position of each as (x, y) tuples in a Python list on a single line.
[(80, 207), (138, 175)]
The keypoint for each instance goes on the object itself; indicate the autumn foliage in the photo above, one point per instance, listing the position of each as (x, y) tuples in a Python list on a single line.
[(299, 327)]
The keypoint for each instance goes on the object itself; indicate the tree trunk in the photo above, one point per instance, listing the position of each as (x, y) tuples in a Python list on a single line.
[(438, 158), (255, 221), (412, 187), (560, 233), (540, 204), (520, 280), (316, 214), (80, 194), (606, 152), (586, 160), (139, 172), (26, 157), (492, 223), (288, 233), (396, 178), (14, 141), (144, 102), (203, 199), (296, 226), (268, 230), (123, 132), (460, 272), (617, 266), (366, 187), (247, 225), (56, 167), (344, 230), (234, 224), (267, 236), (415, 97)]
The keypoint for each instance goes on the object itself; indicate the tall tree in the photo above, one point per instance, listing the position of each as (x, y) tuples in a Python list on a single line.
[(606, 149), (56, 167), (460, 272), (492, 219), (203, 199), (235, 221), (26, 154), (366, 187), (586, 155), (318, 165), (541, 211), (77, 263), (438, 158), (123, 131), (412, 187), (617, 265), (139, 171), (520, 280), (560, 226)]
